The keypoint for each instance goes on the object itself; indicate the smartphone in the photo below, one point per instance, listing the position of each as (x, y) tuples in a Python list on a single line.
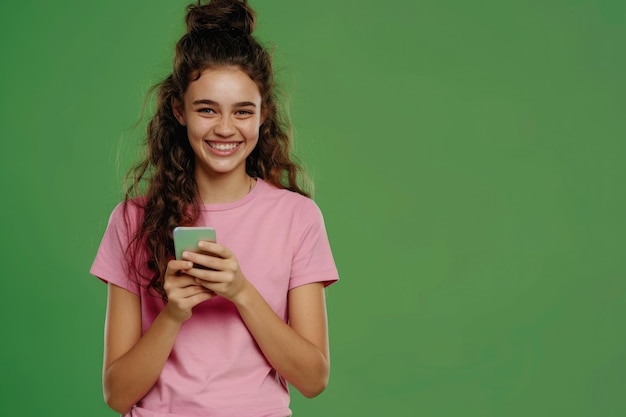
[(187, 238)]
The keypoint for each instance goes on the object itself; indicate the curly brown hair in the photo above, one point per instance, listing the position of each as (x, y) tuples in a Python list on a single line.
[(219, 34)]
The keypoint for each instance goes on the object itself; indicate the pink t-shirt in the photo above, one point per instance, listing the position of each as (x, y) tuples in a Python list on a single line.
[(215, 367)]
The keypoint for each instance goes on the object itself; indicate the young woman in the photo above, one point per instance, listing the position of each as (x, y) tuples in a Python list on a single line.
[(221, 331)]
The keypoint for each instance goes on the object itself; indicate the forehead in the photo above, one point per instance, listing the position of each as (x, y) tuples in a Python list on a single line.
[(228, 84)]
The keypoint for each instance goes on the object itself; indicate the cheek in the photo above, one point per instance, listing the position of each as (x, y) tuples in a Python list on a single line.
[(251, 131), (195, 132)]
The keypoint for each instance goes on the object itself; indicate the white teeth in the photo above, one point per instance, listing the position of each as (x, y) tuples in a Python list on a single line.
[(223, 146)]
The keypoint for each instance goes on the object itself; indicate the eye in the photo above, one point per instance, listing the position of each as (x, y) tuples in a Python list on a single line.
[(244, 113), (207, 110)]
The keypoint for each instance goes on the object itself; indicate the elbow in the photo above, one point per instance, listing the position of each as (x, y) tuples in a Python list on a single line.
[(318, 381), (116, 404), (314, 390)]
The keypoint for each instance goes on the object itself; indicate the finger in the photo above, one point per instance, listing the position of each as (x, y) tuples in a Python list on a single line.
[(206, 276), (214, 287), (222, 283), (202, 260), (178, 265), (173, 283), (180, 307), (200, 297), (193, 290), (215, 249), (183, 297)]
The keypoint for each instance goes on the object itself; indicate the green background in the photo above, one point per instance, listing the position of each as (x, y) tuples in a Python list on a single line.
[(468, 157)]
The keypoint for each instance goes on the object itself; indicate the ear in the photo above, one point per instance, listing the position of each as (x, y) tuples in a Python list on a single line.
[(177, 109)]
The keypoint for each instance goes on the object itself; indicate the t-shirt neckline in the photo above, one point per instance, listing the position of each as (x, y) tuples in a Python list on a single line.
[(254, 192)]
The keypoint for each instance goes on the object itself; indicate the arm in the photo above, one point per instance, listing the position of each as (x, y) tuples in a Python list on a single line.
[(298, 350), (132, 362)]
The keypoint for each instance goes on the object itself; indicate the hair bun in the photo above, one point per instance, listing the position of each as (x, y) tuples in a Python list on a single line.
[(220, 15)]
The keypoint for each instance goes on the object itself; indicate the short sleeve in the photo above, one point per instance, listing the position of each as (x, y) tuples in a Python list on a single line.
[(111, 262), (313, 259)]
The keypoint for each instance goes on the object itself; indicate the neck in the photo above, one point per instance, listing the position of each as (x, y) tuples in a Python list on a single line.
[(220, 189)]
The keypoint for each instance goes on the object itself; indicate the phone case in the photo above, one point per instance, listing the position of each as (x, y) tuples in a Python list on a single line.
[(187, 238)]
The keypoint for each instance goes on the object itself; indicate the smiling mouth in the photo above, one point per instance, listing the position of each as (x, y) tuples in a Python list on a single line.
[(224, 147)]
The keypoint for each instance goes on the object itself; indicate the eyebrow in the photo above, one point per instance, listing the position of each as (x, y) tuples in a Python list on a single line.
[(213, 103)]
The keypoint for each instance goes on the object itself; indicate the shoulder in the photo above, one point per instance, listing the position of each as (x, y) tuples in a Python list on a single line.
[(286, 197), (291, 204), (134, 206), (128, 213)]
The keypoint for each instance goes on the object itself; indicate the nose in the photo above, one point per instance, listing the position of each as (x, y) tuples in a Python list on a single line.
[(224, 126)]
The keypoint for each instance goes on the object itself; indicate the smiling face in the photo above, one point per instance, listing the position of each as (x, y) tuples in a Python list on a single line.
[(222, 112)]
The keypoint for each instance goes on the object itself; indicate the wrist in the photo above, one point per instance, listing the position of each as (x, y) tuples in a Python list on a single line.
[(243, 297), (173, 316)]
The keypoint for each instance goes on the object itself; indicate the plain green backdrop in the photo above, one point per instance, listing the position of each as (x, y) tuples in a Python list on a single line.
[(468, 158)]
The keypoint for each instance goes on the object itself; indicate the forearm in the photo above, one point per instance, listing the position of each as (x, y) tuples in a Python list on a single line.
[(130, 377), (295, 358)]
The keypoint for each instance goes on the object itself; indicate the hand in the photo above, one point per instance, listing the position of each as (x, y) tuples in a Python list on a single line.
[(223, 276), (183, 293)]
